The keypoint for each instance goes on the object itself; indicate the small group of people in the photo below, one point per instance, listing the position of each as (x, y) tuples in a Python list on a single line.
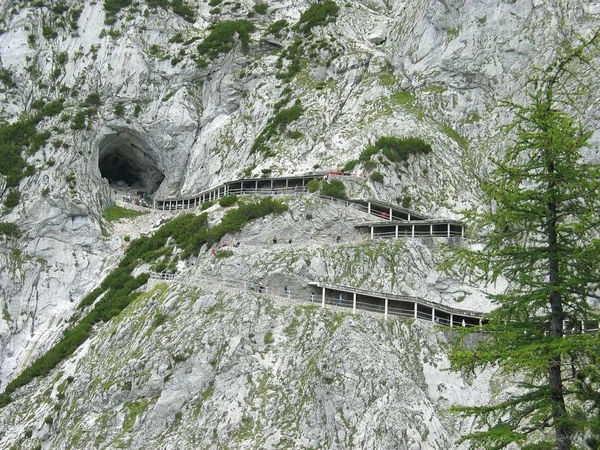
[(136, 200), (275, 241), (261, 288)]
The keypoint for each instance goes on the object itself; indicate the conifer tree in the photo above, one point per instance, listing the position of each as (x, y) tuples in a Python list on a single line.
[(541, 234)]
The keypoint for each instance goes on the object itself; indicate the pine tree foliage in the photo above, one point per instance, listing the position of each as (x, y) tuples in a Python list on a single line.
[(541, 234)]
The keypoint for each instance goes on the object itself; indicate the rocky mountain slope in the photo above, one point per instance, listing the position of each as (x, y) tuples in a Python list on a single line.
[(143, 95)]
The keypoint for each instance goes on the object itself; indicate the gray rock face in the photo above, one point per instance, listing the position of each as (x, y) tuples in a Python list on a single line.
[(170, 124), (244, 371)]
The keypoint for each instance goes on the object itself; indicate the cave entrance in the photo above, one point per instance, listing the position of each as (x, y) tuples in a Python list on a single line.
[(126, 162)]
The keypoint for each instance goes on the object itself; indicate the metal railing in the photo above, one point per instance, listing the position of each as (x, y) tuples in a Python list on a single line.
[(276, 291)]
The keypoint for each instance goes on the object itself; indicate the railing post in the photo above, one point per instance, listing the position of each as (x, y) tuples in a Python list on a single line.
[(385, 311), (323, 298), (391, 210), (416, 309), (354, 303), (412, 231), (451, 320), (372, 232), (433, 314), (369, 207), (396, 231), (448, 230)]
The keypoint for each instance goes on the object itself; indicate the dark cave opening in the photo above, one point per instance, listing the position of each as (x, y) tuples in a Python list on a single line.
[(126, 162), (115, 169)]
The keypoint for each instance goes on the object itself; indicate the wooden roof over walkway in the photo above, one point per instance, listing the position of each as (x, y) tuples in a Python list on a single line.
[(403, 298)]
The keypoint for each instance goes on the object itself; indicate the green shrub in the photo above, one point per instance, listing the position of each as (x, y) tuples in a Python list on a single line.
[(113, 7), (377, 177), (49, 420), (276, 126), (276, 27), (12, 199), (23, 136), (268, 338), (350, 165), (159, 319), (294, 54), (48, 32), (80, 119), (222, 37), (116, 212), (207, 205), (184, 10), (119, 110), (334, 188), (9, 229), (313, 185), (62, 58), (223, 254), (316, 15), (395, 149), (228, 200), (260, 8), (92, 99), (6, 78), (177, 38)]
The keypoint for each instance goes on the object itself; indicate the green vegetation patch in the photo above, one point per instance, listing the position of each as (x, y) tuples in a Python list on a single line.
[(9, 229), (6, 78), (277, 27), (334, 188), (23, 137), (11, 200), (395, 149), (222, 37), (113, 7), (276, 126), (318, 14), (115, 212), (228, 200), (118, 290)]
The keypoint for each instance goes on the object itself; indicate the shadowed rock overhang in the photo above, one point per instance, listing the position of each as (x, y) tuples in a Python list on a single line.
[(125, 160)]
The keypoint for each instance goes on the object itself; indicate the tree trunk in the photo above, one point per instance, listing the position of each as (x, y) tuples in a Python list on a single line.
[(555, 381)]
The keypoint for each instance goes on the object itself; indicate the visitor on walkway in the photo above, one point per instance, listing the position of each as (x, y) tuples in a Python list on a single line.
[(337, 239), (252, 285), (384, 215), (341, 300), (312, 297), (286, 292)]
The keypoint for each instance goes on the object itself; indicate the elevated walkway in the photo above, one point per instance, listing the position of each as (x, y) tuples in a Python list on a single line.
[(394, 221), (347, 297)]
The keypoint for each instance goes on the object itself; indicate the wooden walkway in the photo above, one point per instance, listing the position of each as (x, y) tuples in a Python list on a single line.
[(393, 221), (347, 297)]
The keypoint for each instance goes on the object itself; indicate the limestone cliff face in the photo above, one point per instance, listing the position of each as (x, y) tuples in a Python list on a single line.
[(243, 371), (141, 103)]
